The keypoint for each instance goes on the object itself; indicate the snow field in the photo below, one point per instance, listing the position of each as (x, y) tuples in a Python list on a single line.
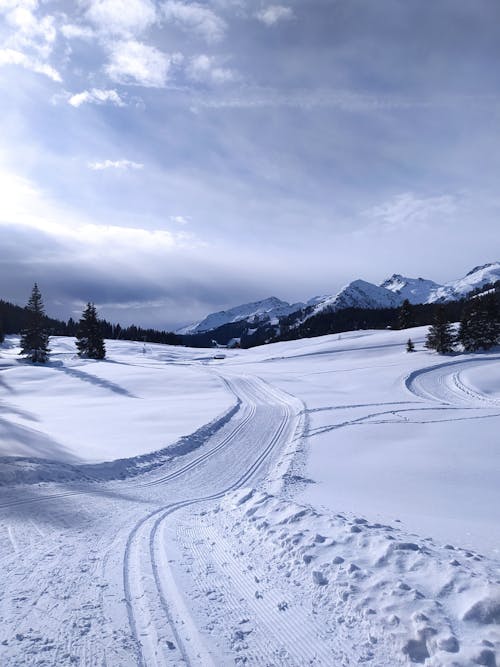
[(81, 411), (337, 504)]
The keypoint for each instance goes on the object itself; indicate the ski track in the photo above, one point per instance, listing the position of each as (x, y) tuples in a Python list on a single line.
[(135, 590), (133, 611)]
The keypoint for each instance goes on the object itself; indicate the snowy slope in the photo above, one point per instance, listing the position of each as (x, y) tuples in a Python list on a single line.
[(271, 307), (130, 404), (416, 290)]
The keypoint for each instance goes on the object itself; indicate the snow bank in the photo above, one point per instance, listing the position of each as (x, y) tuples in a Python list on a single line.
[(402, 598)]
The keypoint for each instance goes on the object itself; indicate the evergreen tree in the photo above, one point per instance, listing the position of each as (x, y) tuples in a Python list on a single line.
[(440, 336), (89, 338), (490, 309), (2, 335), (480, 324), (405, 315), (410, 346), (469, 331), (35, 336)]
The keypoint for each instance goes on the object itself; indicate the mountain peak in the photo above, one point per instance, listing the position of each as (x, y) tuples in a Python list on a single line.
[(483, 267), (255, 311)]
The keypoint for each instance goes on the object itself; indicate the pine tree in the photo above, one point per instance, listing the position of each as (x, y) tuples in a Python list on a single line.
[(440, 336), (480, 324), (90, 342), (35, 336), (410, 346), (490, 311), (405, 315)]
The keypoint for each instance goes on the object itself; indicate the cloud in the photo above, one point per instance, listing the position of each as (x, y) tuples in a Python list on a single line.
[(13, 57), (274, 13), (96, 96), (180, 219), (195, 18), (115, 164), (74, 31), (132, 63), (29, 32), (407, 211), (203, 68), (125, 18)]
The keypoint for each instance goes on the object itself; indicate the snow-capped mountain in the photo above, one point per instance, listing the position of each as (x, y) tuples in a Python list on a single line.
[(416, 290), (254, 313), (479, 276), (419, 290), (358, 294)]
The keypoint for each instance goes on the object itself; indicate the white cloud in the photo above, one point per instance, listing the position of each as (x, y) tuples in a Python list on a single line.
[(121, 17), (132, 63), (195, 18), (96, 96), (14, 57), (29, 31), (74, 31), (114, 164), (204, 68), (180, 219), (407, 211), (274, 13)]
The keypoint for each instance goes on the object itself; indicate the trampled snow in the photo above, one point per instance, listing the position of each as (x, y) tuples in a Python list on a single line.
[(337, 504)]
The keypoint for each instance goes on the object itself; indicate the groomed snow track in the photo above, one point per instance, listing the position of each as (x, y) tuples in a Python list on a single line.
[(444, 384), (138, 616)]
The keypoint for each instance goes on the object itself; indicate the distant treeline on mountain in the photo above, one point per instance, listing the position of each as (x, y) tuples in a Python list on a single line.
[(13, 319)]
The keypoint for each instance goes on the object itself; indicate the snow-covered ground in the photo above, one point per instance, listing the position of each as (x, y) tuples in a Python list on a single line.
[(331, 501)]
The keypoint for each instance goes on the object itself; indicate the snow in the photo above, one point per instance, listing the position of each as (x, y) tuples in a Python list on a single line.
[(326, 501), (82, 411)]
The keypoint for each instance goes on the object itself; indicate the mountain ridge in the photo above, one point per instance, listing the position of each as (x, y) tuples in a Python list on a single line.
[(359, 293)]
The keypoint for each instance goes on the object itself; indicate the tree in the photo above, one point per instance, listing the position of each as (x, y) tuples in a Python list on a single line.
[(35, 336), (440, 336), (405, 315), (410, 346), (480, 324), (89, 338)]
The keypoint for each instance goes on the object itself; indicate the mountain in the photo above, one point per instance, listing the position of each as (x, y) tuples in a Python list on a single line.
[(416, 290), (255, 313), (476, 278), (259, 321), (358, 294)]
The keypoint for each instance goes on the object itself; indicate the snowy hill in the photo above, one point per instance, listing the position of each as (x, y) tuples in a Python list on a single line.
[(254, 312), (416, 290)]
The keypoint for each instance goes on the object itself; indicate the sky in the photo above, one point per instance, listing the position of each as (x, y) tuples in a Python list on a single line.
[(169, 159)]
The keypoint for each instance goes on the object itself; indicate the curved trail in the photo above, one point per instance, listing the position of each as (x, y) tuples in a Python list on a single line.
[(151, 620), (444, 384)]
